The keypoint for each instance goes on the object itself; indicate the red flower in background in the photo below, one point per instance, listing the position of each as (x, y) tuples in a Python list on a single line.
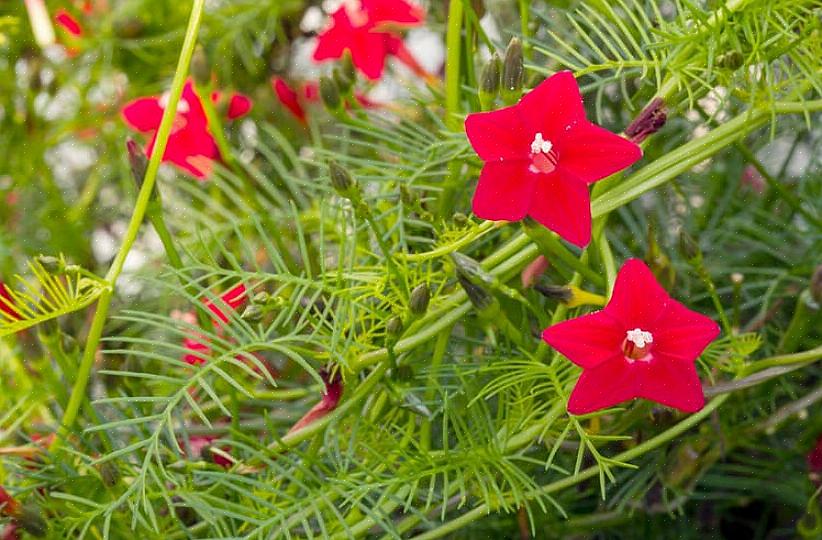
[(641, 345), (815, 457), (540, 155), (191, 146), (364, 29), (198, 346), (308, 92), (68, 23), (6, 303), (199, 443)]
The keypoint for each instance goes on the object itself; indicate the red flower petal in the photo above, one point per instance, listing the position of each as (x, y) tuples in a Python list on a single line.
[(638, 299), (609, 383), (332, 42), (671, 382), (554, 107), (505, 191), (394, 11), (499, 135), (187, 143), (238, 106), (68, 22), (815, 457), (192, 109), (682, 333), (588, 340), (199, 352), (592, 153), (562, 203), (143, 114), (289, 98), (368, 53), (233, 298)]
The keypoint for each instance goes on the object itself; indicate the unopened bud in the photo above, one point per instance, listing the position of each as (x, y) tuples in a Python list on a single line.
[(341, 179), (730, 60), (394, 326), (489, 82), (737, 278), (261, 297), (344, 82), (478, 296), (688, 246), (31, 521), (513, 71), (649, 121), (52, 265), (348, 68), (252, 313), (460, 219), (200, 68), (420, 297), (471, 269), (330, 94), (138, 161), (109, 473), (531, 274)]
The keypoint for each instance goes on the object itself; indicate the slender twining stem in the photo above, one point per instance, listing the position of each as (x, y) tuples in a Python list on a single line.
[(143, 199)]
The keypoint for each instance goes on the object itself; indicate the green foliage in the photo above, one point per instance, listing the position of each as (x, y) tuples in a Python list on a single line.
[(456, 423)]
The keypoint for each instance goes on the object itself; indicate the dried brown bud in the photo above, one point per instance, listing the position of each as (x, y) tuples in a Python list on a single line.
[(649, 121)]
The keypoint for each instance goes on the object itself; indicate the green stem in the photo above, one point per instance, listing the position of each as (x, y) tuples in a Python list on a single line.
[(639, 450), (453, 44), (143, 200), (440, 348)]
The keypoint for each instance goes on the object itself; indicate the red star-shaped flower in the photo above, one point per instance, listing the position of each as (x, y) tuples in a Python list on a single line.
[(190, 146), (643, 344), (68, 23), (815, 457), (540, 155), (361, 27), (6, 304)]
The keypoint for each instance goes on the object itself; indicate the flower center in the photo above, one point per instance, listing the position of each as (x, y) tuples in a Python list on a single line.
[(543, 156), (637, 345)]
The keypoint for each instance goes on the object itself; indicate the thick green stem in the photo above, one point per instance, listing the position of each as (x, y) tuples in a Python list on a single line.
[(143, 200)]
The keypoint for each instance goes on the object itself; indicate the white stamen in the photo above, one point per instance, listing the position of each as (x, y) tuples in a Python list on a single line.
[(540, 145), (182, 105), (639, 337)]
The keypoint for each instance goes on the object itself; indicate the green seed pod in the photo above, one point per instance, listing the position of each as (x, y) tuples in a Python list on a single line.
[(330, 94), (420, 297), (513, 71), (490, 82), (341, 180), (200, 68)]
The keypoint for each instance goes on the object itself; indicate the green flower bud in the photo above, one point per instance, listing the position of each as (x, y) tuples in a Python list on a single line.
[(262, 298), (330, 94), (341, 180), (253, 313), (688, 247), (420, 297), (490, 82), (394, 326), (460, 219), (109, 473), (31, 521), (200, 68), (344, 82), (52, 265), (513, 71), (478, 296)]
